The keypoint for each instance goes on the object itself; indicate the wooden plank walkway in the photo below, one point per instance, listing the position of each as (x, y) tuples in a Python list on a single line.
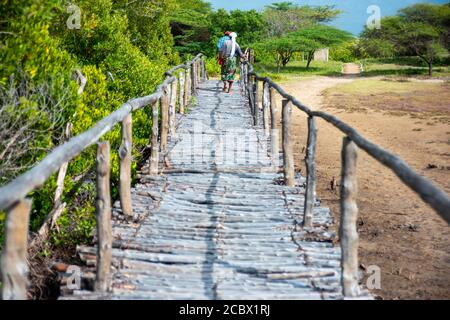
[(217, 224)]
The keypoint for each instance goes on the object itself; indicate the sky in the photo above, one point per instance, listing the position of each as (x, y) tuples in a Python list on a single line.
[(355, 11)]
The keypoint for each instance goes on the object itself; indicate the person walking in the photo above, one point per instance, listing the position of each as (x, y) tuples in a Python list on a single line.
[(229, 51), (220, 44)]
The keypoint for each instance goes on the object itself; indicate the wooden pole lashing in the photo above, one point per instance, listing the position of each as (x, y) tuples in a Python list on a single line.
[(103, 215), (288, 146), (154, 146), (14, 266), (310, 174), (125, 167), (348, 225)]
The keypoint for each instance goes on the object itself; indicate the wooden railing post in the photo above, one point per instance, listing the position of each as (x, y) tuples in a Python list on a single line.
[(154, 153), (172, 109), (187, 87), (288, 146), (348, 225), (310, 173), (255, 103), (181, 100), (265, 104), (274, 132), (193, 79), (205, 71), (14, 266), (164, 120), (125, 166), (104, 228)]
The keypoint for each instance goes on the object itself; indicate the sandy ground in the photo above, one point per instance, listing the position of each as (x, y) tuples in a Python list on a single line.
[(398, 232)]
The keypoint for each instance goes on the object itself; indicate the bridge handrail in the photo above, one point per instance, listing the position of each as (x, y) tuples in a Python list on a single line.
[(348, 233), (13, 195)]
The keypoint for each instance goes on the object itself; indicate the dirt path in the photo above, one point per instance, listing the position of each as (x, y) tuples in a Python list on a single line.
[(310, 90), (399, 233)]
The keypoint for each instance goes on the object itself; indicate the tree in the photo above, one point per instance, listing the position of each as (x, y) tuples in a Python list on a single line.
[(249, 25), (282, 6), (305, 40), (421, 30), (284, 17), (191, 26)]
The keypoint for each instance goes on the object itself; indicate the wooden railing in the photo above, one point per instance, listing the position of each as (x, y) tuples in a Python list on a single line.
[(432, 195), (14, 269)]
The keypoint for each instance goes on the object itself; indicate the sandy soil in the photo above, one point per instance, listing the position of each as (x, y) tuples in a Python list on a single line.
[(398, 232)]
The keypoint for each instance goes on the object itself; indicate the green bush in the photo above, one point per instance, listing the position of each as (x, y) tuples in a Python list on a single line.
[(346, 52), (213, 67), (121, 55)]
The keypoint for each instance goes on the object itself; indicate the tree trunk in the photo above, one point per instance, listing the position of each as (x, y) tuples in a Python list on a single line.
[(278, 61), (310, 57), (430, 68)]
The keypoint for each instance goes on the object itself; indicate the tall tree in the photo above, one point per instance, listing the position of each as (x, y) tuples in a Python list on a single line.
[(305, 40), (421, 30), (191, 25), (283, 18)]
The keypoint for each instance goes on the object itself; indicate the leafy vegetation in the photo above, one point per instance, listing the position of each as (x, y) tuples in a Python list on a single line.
[(121, 47), (420, 30)]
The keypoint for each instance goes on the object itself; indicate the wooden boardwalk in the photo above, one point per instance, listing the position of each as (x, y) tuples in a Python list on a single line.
[(217, 224)]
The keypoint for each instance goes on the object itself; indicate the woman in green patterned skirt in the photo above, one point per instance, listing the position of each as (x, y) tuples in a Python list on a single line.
[(229, 53)]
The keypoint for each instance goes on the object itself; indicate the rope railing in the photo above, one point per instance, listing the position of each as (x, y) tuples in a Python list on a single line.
[(13, 196), (430, 194)]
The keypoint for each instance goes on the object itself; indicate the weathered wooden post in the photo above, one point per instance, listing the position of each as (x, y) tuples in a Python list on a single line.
[(205, 71), (265, 104), (187, 86), (348, 225), (154, 153), (255, 103), (274, 133), (181, 96), (310, 174), (172, 109), (103, 215), (288, 146), (193, 79), (125, 167), (14, 266), (251, 57), (164, 120)]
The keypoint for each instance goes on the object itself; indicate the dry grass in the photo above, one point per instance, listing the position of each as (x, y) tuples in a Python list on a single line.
[(400, 97)]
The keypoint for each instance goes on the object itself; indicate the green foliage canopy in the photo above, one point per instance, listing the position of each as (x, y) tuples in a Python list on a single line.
[(420, 30)]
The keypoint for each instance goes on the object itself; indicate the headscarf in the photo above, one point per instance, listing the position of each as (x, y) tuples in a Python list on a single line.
[(233, 36)]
